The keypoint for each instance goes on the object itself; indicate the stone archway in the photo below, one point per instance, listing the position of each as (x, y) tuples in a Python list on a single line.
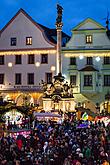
[(24, 99)]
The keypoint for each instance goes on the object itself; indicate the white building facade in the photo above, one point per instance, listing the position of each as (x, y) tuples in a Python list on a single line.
[(86, 64), (27, 56)]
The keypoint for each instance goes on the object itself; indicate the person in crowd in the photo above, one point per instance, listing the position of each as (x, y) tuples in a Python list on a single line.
[(58, 144)]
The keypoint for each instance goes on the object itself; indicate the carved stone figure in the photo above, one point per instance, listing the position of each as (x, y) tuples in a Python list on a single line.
[(59, 14)]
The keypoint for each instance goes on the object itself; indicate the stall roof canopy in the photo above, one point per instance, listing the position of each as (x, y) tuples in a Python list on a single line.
[(46, 114)]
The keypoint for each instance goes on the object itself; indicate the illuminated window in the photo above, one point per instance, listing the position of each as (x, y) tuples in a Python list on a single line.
[(106, 60), (44, 58), (18, 59), (89, 60), (106, 80), (73, 79), (48, 78), (18, 78), (30, 78), (88, 39), (28, 40), (1, 78), (87, 80), (13, 41), (31, 59), (2, 60), (72, 61)]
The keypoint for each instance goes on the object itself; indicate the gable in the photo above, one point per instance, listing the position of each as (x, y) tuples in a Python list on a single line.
[(88, 24), (22, 26)]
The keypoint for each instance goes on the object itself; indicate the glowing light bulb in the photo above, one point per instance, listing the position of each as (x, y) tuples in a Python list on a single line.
[(37, 64), (81, 57), (52, 68), (97, 59), (10, 64)]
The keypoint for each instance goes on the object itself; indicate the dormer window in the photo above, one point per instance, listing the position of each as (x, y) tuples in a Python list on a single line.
[(89, 39)]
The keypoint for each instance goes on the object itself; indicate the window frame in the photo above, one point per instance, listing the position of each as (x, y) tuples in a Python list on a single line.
[(13, 41), (106, 60), (89, 39), (29, 40), (47, 77), (87, 80), (2, 61), (18, 59), (72, 60), (19, 82), (45, 57), (106, 80), (2, 78), (73, 79), (89, 60), (31, 59), (30, 81)]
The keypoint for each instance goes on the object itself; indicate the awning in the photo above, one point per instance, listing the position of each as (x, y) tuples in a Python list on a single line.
[(46, 114)]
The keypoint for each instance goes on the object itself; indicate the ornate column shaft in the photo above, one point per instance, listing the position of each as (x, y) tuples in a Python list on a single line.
[(59, 25), (59, 40)]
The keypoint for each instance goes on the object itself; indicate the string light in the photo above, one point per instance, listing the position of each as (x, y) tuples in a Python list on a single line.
[(37, 52), (77, 54)]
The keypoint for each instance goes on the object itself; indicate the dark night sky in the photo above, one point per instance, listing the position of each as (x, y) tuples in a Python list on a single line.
[(44, 11)]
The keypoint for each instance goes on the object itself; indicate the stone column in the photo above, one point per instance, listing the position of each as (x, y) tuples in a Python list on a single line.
[(59, 25), (59, 44)]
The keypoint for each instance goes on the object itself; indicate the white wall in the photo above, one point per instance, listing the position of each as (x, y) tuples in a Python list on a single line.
[(21, 27)]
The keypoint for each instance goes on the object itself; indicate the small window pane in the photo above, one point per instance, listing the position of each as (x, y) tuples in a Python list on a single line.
[(72, 61), (18, 78), (87, 80), (89, 61), (73, 79), (106, 80), (28, 40), (1, 78), (88, 39), (106, 60), (18, 59), (2, 60), (30, 79), (31, 59), (49, 78), (13, 41), (44, 58)]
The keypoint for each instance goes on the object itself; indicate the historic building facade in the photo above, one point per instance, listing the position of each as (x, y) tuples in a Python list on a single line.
[(27, 56), (86, 64), (28, 52)]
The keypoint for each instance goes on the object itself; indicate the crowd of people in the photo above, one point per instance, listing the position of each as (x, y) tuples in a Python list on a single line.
[(58, 144)]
